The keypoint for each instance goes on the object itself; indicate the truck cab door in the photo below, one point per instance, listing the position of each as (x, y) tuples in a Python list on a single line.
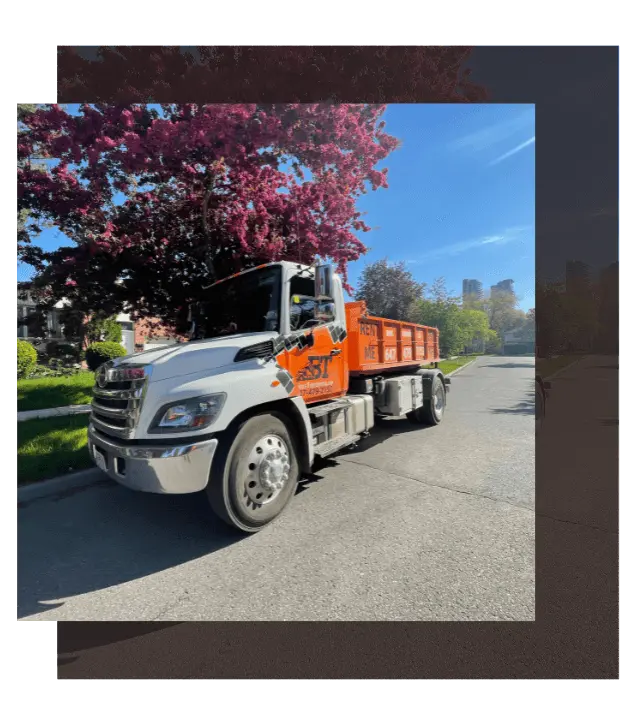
[(315, 355)]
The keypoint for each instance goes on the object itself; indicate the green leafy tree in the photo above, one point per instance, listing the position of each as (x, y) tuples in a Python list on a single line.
[(528, 328), (472, 302), (442, 310), (475, 328), (503, 314), (493, 343), (103, 329), (73, 323), (389, 290)]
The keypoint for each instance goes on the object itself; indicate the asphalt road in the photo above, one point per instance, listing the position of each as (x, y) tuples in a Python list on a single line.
[(417, 524)]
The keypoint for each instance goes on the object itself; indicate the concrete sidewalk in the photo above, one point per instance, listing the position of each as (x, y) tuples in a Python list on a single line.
[(52, 412)]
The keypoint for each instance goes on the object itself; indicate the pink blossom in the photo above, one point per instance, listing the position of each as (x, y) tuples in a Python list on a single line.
[(126, 118), (256, 212)]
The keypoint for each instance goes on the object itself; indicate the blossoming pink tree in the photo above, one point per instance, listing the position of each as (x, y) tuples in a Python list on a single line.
[(159, 200)]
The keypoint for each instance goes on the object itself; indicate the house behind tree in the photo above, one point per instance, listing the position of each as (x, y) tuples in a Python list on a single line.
[(137, 336)]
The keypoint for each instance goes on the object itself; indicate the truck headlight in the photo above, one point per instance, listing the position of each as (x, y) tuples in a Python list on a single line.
[(188, 415)]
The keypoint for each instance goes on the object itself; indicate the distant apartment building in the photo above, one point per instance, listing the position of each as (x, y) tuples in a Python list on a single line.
[(471, 288), (502, 287)]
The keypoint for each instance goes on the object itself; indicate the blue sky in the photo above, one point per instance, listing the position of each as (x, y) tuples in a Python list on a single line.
[(460, 201)]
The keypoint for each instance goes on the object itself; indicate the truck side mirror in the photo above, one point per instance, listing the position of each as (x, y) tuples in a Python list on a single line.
[(324, 281), (325, 311)]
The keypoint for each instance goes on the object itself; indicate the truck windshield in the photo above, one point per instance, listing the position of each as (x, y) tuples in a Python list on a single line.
[(247, 303)]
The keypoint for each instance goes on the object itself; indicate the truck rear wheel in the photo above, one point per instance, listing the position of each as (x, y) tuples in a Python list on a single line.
[(255, 474), (433, 404)]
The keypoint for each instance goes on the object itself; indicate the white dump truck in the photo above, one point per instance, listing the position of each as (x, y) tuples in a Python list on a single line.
[(278, 371)]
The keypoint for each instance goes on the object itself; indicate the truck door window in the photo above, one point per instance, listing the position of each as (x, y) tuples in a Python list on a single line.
[(246, 303), (302, 303)]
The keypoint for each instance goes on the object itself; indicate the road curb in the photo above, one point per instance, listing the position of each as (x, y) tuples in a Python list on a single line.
[(62, 484), (564, 369), (53, 412), (463, 367)]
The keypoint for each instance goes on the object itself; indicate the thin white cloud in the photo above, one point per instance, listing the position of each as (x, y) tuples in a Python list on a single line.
[(494, 134), (452, 250), (513, 151)]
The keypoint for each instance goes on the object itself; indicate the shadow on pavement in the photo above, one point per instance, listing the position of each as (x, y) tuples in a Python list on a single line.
[(523, 407), (82, 636), (384, 429), (108, 536)]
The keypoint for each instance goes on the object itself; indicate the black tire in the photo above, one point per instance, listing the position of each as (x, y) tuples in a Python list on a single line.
[(432, 410), (230, 487)]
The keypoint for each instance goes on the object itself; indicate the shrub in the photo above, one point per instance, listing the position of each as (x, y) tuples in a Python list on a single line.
[(63, 364), (53, 370), (63, 351), (99, 352), (26, 358)]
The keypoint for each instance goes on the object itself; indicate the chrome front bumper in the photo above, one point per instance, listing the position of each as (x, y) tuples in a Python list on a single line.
[(154, 468)]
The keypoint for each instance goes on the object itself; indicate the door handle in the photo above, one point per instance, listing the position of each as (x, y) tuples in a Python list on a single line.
[(335, 351)]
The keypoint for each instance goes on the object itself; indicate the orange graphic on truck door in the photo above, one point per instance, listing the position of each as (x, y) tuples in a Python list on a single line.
[(315, 350), (320, 370)]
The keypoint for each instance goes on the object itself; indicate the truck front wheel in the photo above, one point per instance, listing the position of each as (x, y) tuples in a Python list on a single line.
[(255, 474)]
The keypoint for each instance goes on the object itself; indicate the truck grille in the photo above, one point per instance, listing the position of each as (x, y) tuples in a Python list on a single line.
[(117, 399)]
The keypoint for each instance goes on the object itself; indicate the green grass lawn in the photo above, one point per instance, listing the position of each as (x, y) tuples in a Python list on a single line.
[(548, 366), (38, 393), (449, 366), (51, 447)]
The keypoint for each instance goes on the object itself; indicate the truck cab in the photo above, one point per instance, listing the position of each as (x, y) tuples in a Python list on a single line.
[(263, 387)]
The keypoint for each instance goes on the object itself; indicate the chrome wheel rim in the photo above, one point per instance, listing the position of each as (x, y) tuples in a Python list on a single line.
[(267, 472), (438, 400)]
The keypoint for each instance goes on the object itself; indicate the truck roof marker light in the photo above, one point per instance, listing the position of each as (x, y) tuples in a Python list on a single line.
[(275, 383)]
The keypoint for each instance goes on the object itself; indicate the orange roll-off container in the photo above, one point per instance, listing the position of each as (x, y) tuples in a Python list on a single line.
[(377, 345)]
